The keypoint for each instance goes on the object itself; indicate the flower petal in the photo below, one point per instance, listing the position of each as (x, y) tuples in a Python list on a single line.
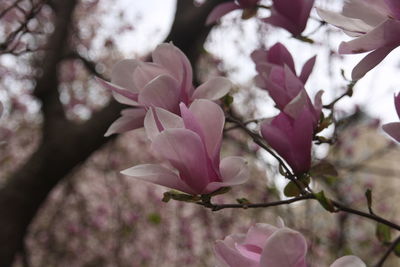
[(307, 69), (348, 261), (213, 89), (211, 119), (259, 234), (234, 171), (285, 247), (167, 120), (345, 23), (392, 129), (157, 174), (230, 257), (162, 91), (220, 11), (175, 61), (145, 72), (385, 34), (122, 74), (184, 150), (120, 94), (370, 61), (131, 119)]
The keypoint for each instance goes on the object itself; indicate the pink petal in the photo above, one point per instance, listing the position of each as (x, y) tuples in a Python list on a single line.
[(370, 61), (228, 256), (279, 55), (213, 89), (122, 74), (259, 234), (131, 119), (168, 120), (162, 91), (297, 104), (120, 94), (146, 72), (292, 83), (394, 6), (220, 11), (175, 61), (234, 171), (385, 34), (157, 174), (392, 129), (371, 12), (307, 69), (285, 247), (348, 261), (343, 22), (211, 119), (184, 150), (302, 141), (278, 20), (397, 104)]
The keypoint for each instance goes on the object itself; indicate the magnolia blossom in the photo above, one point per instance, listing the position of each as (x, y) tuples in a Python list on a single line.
[(265, 245), (277, 75), (249, 9), (191, 143), (393, 129), (291, 138), (292, 15), (376, 26), (164, 83)]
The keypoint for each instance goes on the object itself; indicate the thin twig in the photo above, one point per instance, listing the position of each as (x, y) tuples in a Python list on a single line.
[(387, 253)]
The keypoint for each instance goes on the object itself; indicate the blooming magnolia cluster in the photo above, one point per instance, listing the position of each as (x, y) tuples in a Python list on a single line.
[(376, 26), (163, 83), (393, 129), (265, 245), (191, 144), (190, 141), (291, 132), (291, 15)]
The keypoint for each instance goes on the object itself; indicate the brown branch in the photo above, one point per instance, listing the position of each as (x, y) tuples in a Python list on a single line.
[(339, 207)]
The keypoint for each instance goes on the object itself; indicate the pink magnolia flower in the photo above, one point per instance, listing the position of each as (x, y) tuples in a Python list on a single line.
[(164, 83), (191, 143), (279, 56), (277, 75), (248, 6), (291, 138), (348, 261), (265, 245), (393, 129), (376, 26), (292, 15)]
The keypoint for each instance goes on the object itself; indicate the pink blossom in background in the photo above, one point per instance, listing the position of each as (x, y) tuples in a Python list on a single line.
[(278, 56), (291, 15), (191, 144), (393, 129), (265, 245), (224, 8), (348, 261), (376, 26), (164, 83), (277, 75), (291, 138)]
